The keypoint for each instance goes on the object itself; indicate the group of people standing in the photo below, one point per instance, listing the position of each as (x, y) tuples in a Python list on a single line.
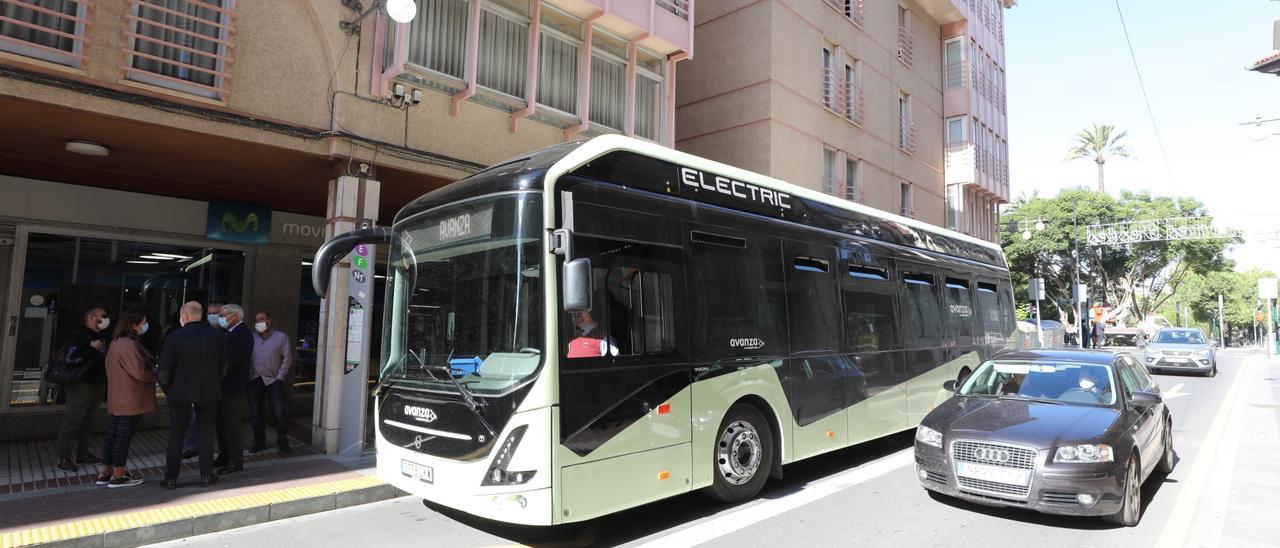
[(207, 368)]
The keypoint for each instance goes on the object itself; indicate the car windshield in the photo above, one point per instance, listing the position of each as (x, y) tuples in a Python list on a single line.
[(1179, 337), (1067, 382), (464, 296)]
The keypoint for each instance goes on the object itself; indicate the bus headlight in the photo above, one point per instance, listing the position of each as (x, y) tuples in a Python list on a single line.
[(498, 473), (929, 436)]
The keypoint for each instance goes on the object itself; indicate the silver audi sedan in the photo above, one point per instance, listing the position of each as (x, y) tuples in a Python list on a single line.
[(1181, 349)]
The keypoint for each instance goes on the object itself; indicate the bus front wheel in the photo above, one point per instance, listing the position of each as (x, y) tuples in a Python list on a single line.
[(743, 455)]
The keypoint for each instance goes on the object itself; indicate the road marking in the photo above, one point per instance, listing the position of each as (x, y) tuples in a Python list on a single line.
[(1177, 529), (699, 533), (1175, 392)]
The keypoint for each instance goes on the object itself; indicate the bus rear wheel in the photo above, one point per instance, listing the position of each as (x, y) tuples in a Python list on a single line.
[(743, 455)]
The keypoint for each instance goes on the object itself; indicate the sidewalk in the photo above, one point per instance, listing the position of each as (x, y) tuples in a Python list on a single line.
[(1252, 507), (41, 506)]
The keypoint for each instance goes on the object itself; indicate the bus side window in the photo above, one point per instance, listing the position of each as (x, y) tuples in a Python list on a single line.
[(869, 311), (959, 310), (1006, 312), (923, 321), (737, 281), (633, 307), (990, 314)]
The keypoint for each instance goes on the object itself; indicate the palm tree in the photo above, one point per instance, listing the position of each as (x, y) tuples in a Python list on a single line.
[(1097, 143)]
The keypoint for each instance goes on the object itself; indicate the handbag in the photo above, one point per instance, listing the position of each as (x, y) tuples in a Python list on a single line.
[(66, 367)]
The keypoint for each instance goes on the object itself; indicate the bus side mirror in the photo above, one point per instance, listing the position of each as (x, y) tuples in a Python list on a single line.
[(949, 386), (577, 285)]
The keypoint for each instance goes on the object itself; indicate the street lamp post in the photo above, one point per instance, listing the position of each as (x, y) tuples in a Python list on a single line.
[(1037, 283)]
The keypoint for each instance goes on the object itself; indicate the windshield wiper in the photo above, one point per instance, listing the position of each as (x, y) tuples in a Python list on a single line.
[(1024, 398), (472, 402)]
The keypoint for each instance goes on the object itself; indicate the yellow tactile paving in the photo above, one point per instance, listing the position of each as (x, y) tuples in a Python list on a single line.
[(147, 518)]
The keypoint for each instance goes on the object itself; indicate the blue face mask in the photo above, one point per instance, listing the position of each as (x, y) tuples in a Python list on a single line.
[(212, 318), (222, 322)]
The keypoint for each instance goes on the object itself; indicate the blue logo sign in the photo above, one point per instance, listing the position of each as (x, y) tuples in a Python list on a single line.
[(242, 223)]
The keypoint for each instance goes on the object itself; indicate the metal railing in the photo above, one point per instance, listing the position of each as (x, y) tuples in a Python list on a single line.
[(854, 103), (33, 38), (854, 10), (906, 134), (905, 46), (954, 75), (831, 89), (908, 212), (678, 7), (852, 192), (829, 184), (180, 32)]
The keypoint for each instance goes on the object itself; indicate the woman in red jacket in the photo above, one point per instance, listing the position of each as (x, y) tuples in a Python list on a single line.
[(131, 393)]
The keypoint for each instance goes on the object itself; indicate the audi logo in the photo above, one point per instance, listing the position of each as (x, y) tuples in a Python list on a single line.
[(991, 454)]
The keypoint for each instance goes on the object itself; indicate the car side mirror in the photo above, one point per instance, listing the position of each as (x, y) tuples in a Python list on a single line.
[(949, 386), (1145, 399), (577, 285)]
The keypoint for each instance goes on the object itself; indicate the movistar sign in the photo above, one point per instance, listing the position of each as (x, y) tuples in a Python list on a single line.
[(243, 223)]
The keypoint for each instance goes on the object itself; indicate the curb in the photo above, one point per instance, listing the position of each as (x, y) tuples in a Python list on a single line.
[(197, 518)]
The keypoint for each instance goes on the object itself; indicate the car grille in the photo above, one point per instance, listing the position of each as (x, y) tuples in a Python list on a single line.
[(1058, 498), (1021, 458), (1178, 353), (936, 477), (1165, 363)]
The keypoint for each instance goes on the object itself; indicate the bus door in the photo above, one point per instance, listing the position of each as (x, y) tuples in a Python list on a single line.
[(964, 335), (923, 332), (817, 373), (624, 413), (990, 321), (872, 343)]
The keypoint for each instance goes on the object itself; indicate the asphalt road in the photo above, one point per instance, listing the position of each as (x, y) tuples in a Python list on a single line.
[(864, 496)]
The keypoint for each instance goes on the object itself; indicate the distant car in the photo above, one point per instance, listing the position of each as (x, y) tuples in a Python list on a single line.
[(1060, 432), (1181, 349)]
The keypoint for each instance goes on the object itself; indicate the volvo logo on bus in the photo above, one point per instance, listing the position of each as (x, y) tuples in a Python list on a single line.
[(734, 188), (991, 454), (422, 414)]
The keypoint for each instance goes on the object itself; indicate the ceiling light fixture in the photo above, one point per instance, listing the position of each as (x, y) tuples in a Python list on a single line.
[(172, 255), (88, 148), (155, 257), (143, 262)]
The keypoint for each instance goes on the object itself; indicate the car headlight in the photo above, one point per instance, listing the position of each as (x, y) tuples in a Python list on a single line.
[(929, 436), (1085, 453)]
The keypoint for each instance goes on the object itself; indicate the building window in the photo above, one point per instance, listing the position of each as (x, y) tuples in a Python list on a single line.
[(180, 44), (955, 132), (829, 170), (906, 127), (49, 30), (559, 51), (953, 63), (906, 200), (854, 108), (904, 36), (504, 48), (608, 80), (438, 39), (649, 85), (852, 180), (828, 77)]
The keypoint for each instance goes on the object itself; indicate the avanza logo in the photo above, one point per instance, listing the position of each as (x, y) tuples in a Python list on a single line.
[(424, 414), (747, 344)]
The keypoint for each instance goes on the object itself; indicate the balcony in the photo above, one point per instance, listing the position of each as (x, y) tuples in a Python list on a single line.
[(854, 10), (184, 46), (830, 184), (53, 34), (907, 134), (831, 89), (905, 42), (854, 103), (853, 193), (679, 8)]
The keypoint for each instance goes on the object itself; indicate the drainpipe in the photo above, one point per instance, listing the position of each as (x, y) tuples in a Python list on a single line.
[(670, 111), (629, 119), (473, 59), (584, 104), (531, 83)]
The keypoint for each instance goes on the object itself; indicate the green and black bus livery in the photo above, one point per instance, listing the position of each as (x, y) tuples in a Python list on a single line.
[(606, 323)]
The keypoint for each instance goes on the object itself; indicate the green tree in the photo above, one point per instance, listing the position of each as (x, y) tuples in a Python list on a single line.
[(1135, 279), (1098, 143), (1200, 292)]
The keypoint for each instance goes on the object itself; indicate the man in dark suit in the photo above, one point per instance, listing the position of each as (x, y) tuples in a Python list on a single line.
[(235, 383), (190, 372)]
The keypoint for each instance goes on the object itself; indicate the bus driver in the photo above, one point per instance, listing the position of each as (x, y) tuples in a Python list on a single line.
[(591, 341)]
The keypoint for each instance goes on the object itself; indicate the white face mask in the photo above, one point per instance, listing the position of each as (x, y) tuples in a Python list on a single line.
[(104, 323), (143, 330), (260, 327)]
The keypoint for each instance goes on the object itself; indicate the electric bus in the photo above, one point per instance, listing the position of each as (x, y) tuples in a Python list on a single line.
[(605, 323)]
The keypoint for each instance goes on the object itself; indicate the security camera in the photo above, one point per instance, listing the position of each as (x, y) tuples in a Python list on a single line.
[(415, 97), (397, 91)]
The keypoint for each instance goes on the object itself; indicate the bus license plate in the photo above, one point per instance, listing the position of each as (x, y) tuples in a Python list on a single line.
[(1011, 476), (417, 471)]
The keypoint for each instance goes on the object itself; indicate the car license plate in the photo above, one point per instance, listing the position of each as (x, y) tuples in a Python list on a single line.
[(1011, 476), (417, 471), (1176, 360)]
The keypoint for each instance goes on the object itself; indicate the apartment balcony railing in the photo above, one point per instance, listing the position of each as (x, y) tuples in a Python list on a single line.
[(855, 11), (831, 89), (679, 7), (908, 212), (830, 184), (954, 75), (907, 135), (905, 46), (852, 193), (855, 107), (56, 34), (184, 45)]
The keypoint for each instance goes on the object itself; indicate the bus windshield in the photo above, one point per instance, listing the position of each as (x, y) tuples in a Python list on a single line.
[(464, 296)]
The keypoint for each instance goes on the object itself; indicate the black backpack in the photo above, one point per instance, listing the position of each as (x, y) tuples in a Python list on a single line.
[(66, 366)]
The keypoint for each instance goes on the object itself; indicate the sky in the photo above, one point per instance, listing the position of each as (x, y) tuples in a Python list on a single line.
[(1068, 66)]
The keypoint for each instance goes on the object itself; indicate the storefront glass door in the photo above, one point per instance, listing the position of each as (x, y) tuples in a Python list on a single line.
[(64, 274)]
